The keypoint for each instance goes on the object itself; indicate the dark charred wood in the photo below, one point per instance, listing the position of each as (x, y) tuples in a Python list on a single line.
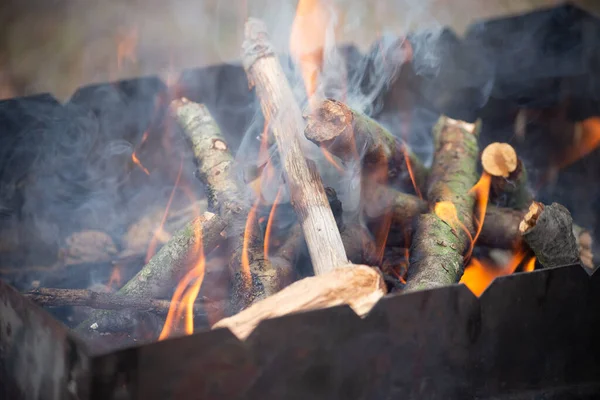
[(548, 230)]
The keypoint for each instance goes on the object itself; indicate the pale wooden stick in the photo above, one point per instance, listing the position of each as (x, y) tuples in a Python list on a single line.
[(285, 120)]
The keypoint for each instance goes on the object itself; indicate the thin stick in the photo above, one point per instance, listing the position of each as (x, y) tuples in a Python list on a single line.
[(49, 297), (285, 118)]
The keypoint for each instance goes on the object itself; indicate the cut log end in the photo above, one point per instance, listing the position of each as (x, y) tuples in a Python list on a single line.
[(359, 286), (530, 219), (328, 121), (499, 159)]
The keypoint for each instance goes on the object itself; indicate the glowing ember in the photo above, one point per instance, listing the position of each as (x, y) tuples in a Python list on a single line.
[(155, 238), (307, 40), (115, 278), (478, 275), (530, 265), (182, 302), (267, 240), (135, 158), (410, 173), (246, 244), (481, 190)]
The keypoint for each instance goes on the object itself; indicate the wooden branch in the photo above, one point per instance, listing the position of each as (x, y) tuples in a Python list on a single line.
[(509, 177), (359, 287), (441, 241), (168, 266), (548, 230), (49, 297), (285, 119), (350, 135), (226, 194)]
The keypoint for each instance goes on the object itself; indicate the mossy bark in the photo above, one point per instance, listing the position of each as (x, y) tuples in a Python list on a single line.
[(169, 264), (228, 197), (438, 246)]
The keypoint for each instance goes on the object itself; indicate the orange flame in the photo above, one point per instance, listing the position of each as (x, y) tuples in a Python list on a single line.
[(115, 278), (530, 265), (307, 40), (410, 172), (134, 156), (246, 244), (154, 242), (127, 43), (481, 190), (182, 302), (332, 161), (267, 240), (478, 275), (586, 142)]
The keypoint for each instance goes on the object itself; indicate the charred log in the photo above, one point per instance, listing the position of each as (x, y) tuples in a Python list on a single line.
[(548, 230)]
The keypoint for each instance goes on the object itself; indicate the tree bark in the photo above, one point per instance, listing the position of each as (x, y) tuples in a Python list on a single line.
[(439, 245), (548, 230)]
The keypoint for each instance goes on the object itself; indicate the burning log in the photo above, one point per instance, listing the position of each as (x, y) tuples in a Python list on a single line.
[(346, 133), (360, 287), (443, 237), (168, 265), (280, 109), (509, 177), (216, 169), (548, 230), (50, 297)]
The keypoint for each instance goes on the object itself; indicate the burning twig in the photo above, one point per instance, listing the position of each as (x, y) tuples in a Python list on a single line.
[(509, 177), (347, 134), (280, 109), (360, 287), (168, 265), (49, 297), (216, 169), (548, 230), (443, 237)]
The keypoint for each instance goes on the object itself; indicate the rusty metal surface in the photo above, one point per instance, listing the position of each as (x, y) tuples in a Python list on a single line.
[(530, 336), (39, 359)]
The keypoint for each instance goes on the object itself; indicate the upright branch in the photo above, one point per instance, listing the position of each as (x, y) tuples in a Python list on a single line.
[(227, 196), (280, 109), (350, 135), (443, 236), (509, 177), (548, 230)]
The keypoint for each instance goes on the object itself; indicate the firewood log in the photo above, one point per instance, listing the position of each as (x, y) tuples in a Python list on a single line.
[(442, 238), (349, 135), (509, 177), (360, 287)]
